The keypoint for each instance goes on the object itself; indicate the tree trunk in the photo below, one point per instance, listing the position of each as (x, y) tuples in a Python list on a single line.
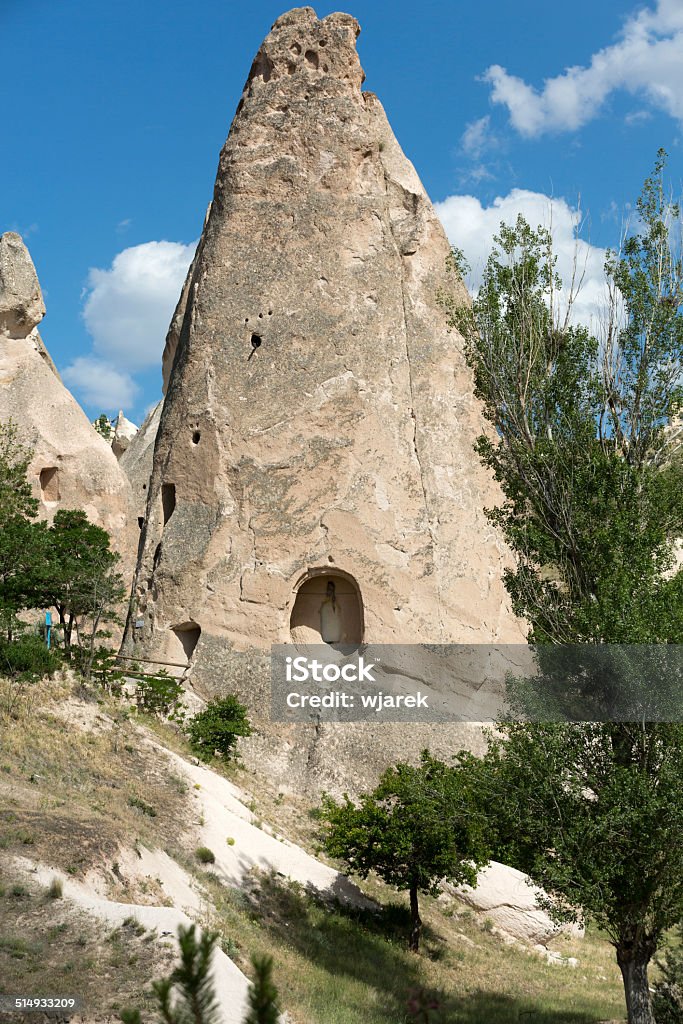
[(91, 646), (633, 967), (416, 921)]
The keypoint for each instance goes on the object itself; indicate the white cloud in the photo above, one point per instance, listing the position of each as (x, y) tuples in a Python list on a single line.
[(100, 384), (129, 306), (477, 137), (127, 311), (471, 227), (646, 60)]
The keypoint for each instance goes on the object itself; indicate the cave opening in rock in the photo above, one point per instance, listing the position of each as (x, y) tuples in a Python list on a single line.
[(328, 608), (185, 637), (49, 483), (167, 501)]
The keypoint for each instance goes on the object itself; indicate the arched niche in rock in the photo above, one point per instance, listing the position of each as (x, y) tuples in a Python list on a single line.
[(327, 608)]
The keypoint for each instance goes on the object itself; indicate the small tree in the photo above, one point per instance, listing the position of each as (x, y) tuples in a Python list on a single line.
[(83, 582), (417, 827), (23, 543), (103, 426), (263, 998), (215, 730), (187, 995)]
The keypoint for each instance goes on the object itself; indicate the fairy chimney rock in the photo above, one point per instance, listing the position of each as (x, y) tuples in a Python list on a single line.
[(319, 418), (72, 466)]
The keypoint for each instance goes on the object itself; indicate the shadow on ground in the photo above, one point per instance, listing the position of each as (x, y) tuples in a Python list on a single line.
[(368, 949)]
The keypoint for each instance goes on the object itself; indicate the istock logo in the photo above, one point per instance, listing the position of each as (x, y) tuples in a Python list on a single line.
[(302, 670)]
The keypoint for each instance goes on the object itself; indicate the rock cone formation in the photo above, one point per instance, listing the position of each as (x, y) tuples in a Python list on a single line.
[(319, 418), (72, 466)]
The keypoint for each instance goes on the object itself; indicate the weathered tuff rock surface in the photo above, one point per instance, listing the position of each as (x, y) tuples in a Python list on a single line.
[(123, 433), (510, 900), (72, 466), (136, 460), (319, 418)]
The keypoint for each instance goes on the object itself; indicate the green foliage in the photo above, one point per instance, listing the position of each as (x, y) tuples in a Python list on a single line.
[(582, 450), (187, 995), (419, 825), (263, 996), (82, 583), (667, 1001), (103, 426), (24, 546), (159, 694), (142, 805), (215, 730), (15, 491), (26, 658), (204, 855), (591, 500), (197, 1001)]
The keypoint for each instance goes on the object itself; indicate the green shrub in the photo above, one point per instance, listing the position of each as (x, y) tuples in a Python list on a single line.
[(215, 729), (667, 1001), (141, 805), (160, 694), (204, 855), (26, 657)]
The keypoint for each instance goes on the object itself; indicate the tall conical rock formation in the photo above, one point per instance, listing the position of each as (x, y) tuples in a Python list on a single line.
[(72, 466), (319, 416)]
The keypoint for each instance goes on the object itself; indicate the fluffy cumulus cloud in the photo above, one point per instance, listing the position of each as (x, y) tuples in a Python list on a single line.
[(471, 227), (646, 60), (129, 306), (100, 384), (127, 310)]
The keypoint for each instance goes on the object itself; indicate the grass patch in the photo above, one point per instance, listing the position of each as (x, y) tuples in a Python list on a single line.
[(347, 966), (69, 796), (204, 855), (55, 890), (57, 949)]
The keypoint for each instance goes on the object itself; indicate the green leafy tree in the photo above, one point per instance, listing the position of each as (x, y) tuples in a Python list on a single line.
[(159, 694), (23, 543), (83, 583), (263, 997), (581, 446), (103, 426), (593, 813), (580, 440), (216, 729), (419, 825)]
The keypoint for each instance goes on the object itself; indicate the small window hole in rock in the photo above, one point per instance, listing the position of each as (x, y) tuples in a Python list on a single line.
[(256, 342), (49, 483), (196, 436), (167, 501), (141, 522)]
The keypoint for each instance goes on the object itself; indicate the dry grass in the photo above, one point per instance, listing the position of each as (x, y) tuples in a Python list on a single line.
[(75, 796), (49, 948)]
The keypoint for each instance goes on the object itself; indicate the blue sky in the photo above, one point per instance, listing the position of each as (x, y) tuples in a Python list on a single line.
[(114, 115)]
